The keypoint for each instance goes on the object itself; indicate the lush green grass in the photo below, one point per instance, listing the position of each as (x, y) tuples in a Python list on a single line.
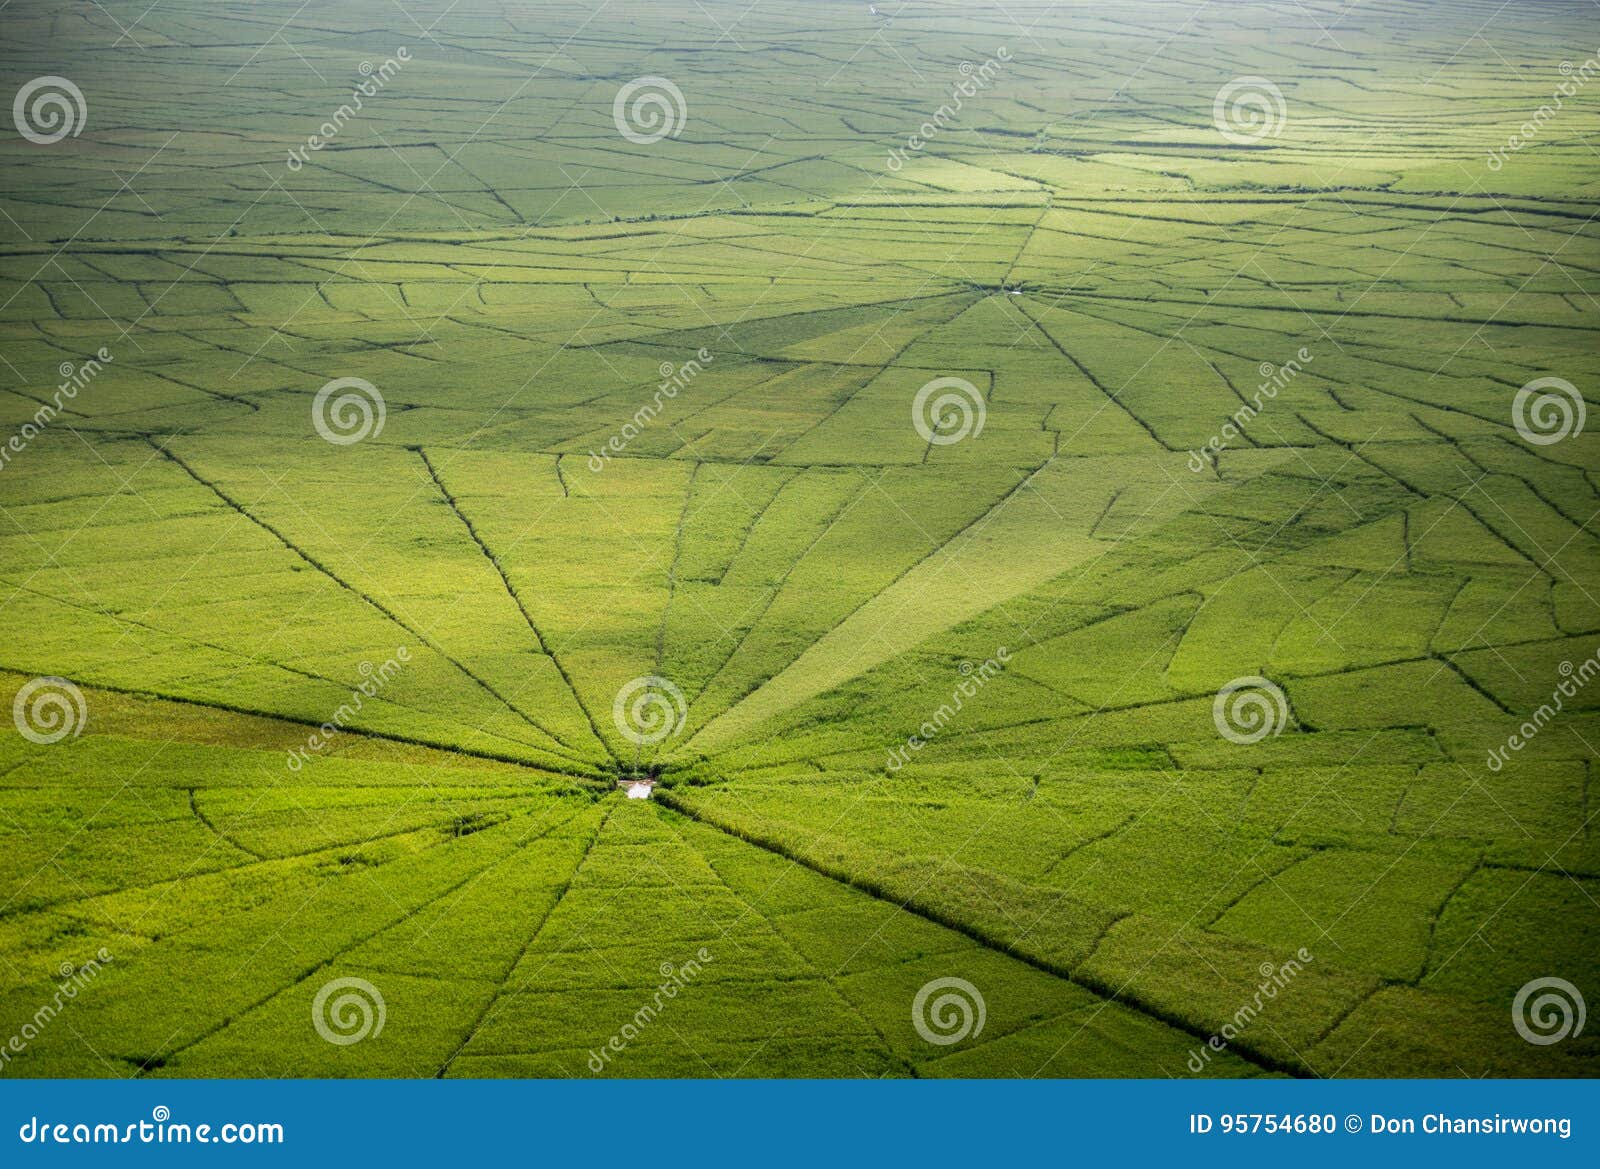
[(1113, 276)]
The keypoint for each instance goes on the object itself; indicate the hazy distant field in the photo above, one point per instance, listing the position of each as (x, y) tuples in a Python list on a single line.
[(1104, 577)]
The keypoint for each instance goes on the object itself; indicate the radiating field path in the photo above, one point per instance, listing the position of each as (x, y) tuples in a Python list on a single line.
[(1082, 516)]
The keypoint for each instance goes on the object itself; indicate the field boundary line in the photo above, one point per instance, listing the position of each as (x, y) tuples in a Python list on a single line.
[(1098, 987)]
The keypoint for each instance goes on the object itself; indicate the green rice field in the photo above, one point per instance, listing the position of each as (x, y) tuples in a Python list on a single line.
[(1077, 520)]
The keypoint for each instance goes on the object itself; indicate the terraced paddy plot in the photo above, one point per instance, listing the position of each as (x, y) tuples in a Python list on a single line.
[(1106, 590)]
